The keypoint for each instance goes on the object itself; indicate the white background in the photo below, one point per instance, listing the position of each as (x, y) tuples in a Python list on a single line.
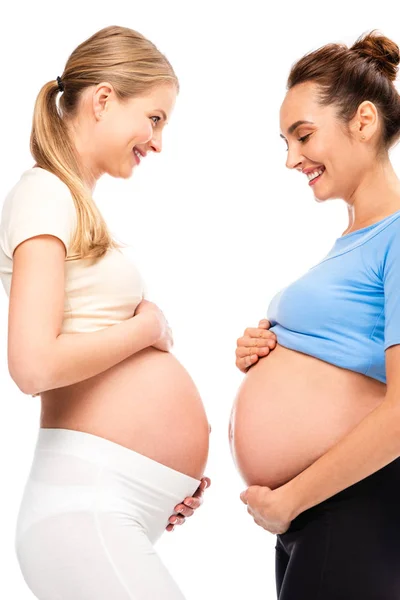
[(217, 223)]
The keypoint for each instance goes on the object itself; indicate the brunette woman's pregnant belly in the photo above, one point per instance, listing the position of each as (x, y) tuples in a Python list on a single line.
[(148, 403), (290, 409)]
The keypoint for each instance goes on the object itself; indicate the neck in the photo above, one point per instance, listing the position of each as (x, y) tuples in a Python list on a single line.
[(377, 196), (82, 140)]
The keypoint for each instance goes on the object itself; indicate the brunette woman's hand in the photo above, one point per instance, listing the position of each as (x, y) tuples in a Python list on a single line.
[(271, 509), (189, 505), (255, 343), (160, 325)]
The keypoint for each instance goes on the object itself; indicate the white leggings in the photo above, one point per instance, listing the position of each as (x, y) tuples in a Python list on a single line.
[(90, 514)]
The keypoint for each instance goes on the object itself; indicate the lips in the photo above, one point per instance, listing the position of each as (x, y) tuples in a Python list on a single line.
[(312, 169), (141, 152), (136, 157), (313, 181)]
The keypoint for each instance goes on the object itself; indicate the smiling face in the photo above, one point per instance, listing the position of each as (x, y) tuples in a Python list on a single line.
[(324, 143), (122, 133)]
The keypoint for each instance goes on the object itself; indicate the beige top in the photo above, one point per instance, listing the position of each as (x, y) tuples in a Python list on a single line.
[(97, 293)]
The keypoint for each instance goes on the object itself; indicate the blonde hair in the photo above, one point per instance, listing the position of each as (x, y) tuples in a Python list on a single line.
[(133, 65)]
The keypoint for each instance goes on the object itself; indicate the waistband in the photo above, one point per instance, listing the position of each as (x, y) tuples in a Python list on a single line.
[(384, 483), (109, 454)]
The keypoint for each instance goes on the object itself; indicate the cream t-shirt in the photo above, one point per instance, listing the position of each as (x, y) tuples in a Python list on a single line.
[(98, 293)]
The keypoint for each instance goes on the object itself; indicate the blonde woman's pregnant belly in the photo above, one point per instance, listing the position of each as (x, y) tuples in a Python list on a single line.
[(290, 409), (148, 403)]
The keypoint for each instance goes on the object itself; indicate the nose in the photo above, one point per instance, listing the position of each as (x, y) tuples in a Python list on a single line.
[(155, 144), (294, 159)]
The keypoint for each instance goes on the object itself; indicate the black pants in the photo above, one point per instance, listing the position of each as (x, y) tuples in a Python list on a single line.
[(347, 547)]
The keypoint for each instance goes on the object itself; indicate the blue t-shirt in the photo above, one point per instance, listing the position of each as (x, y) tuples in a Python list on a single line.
[(345, 310)]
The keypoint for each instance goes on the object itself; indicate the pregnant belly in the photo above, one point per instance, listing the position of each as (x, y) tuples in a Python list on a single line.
[(290, 409), (148, 403)]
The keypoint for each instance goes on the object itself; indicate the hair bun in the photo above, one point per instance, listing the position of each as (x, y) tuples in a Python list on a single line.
[(380, 49)]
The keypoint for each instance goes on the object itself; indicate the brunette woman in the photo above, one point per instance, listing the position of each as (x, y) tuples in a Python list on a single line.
[(315, 427)]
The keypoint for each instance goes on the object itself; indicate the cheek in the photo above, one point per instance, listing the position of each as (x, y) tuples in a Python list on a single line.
[(341, 160), (318, 152), (112, 136), (142, 133), (115, 137)]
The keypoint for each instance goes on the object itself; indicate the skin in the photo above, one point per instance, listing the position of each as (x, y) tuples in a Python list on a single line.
[(104, 132), (355, 173), (255, 343), (352, 174)]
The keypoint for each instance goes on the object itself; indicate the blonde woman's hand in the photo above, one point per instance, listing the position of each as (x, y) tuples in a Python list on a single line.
[(189, 505), (255, 343), (160, 325)]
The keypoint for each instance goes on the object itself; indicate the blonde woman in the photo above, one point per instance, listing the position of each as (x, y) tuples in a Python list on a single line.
[(123, 439), (315, 427)]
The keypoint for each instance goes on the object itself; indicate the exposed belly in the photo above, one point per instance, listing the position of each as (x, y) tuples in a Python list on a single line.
[(290, 409), (148, 403)]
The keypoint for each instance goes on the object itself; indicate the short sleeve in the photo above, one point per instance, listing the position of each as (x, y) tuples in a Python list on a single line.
[(40, 203), (391, 289)]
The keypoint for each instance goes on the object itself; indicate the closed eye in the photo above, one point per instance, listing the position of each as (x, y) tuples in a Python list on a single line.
[(301, 139)]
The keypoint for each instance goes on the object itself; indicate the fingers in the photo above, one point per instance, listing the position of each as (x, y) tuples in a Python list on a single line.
[(196, 500), (255, 343), (257, 332), (260, 349), (206, 481), (252, 350), (264, 323), (176, 520), (189, 505), (249, 352), (245, 363), (185, 510)]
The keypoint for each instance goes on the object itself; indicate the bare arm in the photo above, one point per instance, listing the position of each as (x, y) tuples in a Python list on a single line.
[(40, 357), (77, 356)]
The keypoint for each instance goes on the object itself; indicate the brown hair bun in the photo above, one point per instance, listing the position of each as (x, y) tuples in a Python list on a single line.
[(381, 50)]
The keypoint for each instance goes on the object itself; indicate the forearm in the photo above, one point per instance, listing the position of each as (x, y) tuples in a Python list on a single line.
[(371, 445), (78, 356)]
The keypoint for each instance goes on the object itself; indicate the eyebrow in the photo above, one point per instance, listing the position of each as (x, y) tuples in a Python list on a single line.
[(294, 126)]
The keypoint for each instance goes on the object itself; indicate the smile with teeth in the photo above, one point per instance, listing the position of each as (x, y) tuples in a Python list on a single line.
[(314, 174), (137, 154)]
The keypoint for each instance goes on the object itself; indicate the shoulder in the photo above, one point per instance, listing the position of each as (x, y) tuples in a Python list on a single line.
[(391, 232), (38, 203), (390, 244), (38, 189), (38, 180)]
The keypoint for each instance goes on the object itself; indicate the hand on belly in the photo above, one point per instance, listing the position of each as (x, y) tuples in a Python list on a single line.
[(290, 409), (255, 343)]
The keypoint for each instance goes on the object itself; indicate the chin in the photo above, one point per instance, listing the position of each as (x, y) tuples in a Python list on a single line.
[(322, 197), (124, 174)]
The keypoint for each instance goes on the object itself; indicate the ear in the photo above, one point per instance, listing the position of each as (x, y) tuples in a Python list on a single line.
[(102, 94), (365, 122)]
